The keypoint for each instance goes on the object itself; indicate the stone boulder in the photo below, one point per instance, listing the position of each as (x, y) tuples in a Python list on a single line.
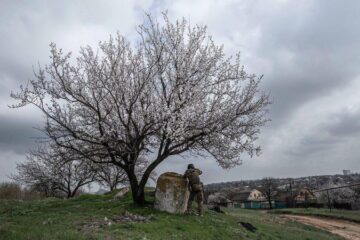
[(171, 193), (121, 193)]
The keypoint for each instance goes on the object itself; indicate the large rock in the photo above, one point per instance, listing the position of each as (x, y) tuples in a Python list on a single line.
[(171, 193), (122, 193)]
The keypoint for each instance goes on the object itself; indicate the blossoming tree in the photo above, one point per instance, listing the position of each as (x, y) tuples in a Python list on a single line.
[(173, 91), (54, 171)]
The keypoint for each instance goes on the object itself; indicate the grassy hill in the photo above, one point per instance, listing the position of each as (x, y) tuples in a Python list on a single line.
[(103, 217)]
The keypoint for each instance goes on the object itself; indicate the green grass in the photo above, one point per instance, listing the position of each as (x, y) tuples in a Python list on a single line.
[(64, 219), (349, 215)]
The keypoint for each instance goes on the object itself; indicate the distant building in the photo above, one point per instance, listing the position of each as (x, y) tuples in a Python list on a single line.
[(346, 172), (283, 199), (249, 199), (304, 195), (256, 195)]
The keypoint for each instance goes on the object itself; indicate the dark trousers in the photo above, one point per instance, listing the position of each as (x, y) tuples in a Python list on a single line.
[(199, 200)]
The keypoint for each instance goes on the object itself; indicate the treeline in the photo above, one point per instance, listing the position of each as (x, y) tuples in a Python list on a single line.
[(53, 171), (12, 190)]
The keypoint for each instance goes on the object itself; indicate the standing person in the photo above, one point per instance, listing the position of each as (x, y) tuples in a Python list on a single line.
[(195, 187)]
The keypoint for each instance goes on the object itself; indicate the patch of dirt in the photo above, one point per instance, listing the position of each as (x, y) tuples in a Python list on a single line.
[(129, 217), (346, 229), (93, 225)]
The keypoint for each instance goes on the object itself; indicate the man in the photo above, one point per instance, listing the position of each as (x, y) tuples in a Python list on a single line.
[(195, 187)]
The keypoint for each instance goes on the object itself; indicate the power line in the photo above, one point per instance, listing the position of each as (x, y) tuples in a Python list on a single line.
[(327, 189)]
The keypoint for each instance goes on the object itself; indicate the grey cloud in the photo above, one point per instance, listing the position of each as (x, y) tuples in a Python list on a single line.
[(332, 140), (324, 49), (344, 124), (304, 49), (18, 135), (309, 146)]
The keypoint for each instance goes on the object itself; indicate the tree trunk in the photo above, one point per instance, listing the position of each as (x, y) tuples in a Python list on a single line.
[(270, 203), (74, 192), (138, 194), (140, 197), (138, 188), (137, 191)]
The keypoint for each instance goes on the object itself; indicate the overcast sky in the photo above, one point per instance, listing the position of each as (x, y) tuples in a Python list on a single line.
[(308, 51)]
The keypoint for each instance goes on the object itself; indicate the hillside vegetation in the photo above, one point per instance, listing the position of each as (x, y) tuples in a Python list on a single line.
[(103, 217)]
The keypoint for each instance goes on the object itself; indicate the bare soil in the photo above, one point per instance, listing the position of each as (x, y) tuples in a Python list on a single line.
[(345, 229)]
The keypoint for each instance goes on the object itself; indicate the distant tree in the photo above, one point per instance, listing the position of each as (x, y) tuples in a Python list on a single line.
[(268, 189), (10, 190), (356, 190), (337, 196), (54, 171), (173, 92), (111, 176), (291, 191)]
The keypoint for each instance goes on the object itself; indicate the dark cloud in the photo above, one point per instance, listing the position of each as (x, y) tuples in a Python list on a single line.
[(311, 52), (344, 124), (18, 134)]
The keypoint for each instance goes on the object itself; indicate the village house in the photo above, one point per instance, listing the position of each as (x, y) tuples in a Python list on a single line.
[(303, 195), (296, 198), (248, 199), (254, 199)]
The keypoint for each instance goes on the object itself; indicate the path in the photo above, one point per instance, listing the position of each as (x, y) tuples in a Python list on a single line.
[(345, 229)]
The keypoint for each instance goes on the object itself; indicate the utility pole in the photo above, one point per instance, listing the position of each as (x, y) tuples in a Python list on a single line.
[(328, 197)]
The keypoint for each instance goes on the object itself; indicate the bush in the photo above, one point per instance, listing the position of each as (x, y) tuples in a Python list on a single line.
[(10, 190), (13, 191), (30, 194)]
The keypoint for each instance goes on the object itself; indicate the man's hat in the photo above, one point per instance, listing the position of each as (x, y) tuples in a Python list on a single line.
[(191, 166)]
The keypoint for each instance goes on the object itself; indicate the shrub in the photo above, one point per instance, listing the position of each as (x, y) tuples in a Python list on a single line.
[(10, 190)]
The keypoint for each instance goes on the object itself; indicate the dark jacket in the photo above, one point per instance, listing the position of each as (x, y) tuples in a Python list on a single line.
[(194, 180)]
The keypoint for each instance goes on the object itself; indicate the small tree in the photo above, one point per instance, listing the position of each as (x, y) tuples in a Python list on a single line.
[(53, 172), (111, 176), (174, 92), (356, 190), (268, 189)]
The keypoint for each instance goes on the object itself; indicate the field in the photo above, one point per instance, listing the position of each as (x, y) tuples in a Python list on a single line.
[(103, 217)]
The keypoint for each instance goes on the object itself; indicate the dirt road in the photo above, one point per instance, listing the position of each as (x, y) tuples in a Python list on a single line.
[(345, 229)]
